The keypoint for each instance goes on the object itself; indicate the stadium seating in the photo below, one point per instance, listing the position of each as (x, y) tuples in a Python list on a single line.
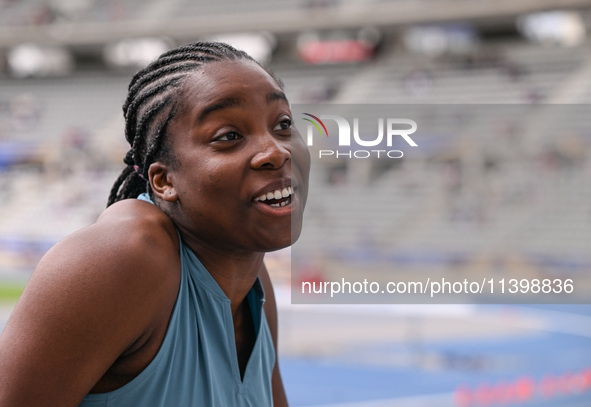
[(68, 190)]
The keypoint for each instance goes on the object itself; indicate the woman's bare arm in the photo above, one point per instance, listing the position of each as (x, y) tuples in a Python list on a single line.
[(91, 298), (279, 397)]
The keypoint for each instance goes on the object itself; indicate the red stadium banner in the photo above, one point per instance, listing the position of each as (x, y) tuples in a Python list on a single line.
[(333, 51)]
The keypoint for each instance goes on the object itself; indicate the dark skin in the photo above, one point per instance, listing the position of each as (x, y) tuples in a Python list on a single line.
[(96, 308)]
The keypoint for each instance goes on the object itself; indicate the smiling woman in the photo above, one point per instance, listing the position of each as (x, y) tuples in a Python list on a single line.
[(165, 300)]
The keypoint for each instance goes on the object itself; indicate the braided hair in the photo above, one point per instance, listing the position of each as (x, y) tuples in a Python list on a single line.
[(152, 102)]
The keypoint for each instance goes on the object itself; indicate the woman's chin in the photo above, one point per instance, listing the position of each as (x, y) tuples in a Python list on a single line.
[(278, 244)]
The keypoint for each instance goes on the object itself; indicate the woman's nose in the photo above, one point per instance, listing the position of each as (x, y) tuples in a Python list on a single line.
[(272, 152)]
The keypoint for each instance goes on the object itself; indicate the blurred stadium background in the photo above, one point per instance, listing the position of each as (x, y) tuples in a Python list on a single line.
[(64, 69)]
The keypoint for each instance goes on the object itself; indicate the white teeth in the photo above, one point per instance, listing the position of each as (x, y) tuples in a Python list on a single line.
[(277, 194), (283, 203), (275, 205)]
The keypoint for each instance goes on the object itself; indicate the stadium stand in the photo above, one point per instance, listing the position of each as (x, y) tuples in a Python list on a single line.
[(510, 191), (503, 72)]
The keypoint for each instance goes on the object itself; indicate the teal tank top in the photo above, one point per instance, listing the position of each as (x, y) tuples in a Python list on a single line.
[(197, 363)]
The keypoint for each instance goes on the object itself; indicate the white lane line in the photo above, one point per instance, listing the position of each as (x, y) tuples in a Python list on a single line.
[(431, 400)]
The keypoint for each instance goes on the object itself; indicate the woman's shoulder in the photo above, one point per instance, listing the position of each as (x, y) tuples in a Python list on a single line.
[(129, 256), (136, 218), (132, 240), (101, 292), (130, 237)]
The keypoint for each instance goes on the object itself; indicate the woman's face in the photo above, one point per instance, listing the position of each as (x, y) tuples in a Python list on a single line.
[(233, 144)]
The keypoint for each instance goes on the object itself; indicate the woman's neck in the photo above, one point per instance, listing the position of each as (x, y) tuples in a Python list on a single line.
[(234, 271)]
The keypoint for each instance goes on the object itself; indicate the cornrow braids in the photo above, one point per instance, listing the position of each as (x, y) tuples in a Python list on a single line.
[(152, 103)]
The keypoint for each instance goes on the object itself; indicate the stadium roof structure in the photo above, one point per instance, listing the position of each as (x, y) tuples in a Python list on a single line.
[(276, 17)]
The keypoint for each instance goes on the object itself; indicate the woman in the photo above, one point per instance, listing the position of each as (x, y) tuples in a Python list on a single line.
[(159, 303)]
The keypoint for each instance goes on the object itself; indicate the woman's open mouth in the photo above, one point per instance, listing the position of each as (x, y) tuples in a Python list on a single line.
[(277, 198)]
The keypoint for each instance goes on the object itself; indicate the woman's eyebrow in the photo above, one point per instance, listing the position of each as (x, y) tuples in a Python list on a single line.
[(273, 96), (223, 104)]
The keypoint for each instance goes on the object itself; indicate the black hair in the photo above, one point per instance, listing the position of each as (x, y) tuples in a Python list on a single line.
[(152, 101)]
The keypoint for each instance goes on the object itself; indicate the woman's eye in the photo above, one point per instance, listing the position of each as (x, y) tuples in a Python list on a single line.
[(284, 125), (229, 136)]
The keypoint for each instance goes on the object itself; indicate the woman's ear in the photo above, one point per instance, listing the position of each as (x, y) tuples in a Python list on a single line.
[(161, 182)]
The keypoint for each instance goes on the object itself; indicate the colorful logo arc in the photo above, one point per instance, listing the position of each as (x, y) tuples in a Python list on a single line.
[(319, 121)]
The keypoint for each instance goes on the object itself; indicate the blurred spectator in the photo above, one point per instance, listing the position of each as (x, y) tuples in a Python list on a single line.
[(116, 10), (42, 14), (25, 112), (418, 83)]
